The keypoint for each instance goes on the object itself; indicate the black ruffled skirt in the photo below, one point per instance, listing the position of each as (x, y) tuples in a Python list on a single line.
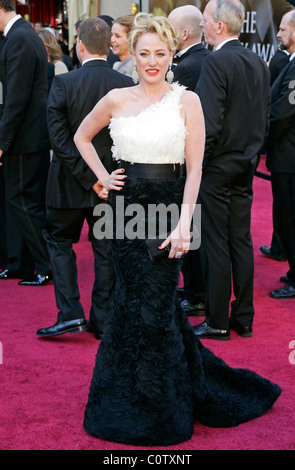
[(153, 378)]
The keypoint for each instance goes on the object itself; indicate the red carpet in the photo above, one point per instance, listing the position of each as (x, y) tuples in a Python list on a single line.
[(44, 383)]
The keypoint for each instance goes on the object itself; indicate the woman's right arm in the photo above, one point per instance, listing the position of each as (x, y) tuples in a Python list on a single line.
[(93, 123)]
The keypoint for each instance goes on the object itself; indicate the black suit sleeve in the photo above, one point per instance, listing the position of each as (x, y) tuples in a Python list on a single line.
[(61, 137), (283, 108), (20, 68), (183, 76), (212, 91)]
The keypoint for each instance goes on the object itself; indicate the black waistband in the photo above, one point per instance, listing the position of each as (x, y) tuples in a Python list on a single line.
[(152, 171)]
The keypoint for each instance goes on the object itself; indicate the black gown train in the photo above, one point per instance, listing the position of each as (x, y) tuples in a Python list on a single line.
[(153, 378)]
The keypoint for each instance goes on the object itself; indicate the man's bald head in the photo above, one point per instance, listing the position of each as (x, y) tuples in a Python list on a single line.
[(286, 34), (186, 20)]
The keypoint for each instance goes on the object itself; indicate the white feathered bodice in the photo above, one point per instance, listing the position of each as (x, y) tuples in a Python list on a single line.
[(156, 135)]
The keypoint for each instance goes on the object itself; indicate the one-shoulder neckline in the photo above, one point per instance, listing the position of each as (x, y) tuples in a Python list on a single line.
[(174, 86)]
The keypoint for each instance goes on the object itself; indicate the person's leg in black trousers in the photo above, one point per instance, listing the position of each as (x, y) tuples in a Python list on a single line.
[(276, 249), (63, 229), (276, 243), (227, 248), (214, 197), (193, 284), (241, 252), (3, 248), (20, 262), (25, 183), (283, 187), (104, 281)]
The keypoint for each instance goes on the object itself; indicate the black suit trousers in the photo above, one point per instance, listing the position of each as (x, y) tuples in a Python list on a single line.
[(276, 242), (226, 248), (63, 229), (193, 283), (3, 249), (25, 177), (283, 190)]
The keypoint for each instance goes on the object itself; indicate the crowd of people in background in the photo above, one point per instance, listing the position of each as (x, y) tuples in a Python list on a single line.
[(16, 257), (119, 56)]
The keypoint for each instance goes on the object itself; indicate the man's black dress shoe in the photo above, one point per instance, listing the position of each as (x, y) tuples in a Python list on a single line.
[(286, 292), (7, 274), (61, 327), (197, 310), (244, 331), (38, 280), (266, 251), (205, 331)]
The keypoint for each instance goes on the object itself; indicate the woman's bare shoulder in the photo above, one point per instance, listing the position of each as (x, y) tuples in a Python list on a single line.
[(118, 95), (120, 99), (191, 106), (190, 98)]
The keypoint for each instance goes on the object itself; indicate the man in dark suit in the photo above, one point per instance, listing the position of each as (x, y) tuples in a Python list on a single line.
[(276, 249), (186, 20), (3, 251), (261, 25), (72, 186), (24, 147), (187, 68), (234, 89), (280, 153)]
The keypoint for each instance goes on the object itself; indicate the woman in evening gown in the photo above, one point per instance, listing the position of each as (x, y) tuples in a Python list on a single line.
[(152, 377)]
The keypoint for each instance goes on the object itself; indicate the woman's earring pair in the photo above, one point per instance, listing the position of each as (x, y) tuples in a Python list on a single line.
[(169, 76)]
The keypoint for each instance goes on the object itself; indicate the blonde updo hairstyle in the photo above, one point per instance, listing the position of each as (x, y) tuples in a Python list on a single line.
[(147, 23)]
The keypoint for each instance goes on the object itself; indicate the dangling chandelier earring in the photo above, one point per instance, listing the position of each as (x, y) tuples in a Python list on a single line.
[(170, 75), (135, 76)]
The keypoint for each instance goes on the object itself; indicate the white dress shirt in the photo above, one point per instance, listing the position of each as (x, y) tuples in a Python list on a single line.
[(10, 23)]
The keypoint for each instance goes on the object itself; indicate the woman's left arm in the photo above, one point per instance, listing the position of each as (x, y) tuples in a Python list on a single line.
[(194, 153)]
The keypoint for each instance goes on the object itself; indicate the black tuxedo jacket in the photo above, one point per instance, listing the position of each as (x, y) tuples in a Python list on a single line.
[(277, 64), (73, 95), (234, 89), (281, 141), (23, 76), (188, 70)]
